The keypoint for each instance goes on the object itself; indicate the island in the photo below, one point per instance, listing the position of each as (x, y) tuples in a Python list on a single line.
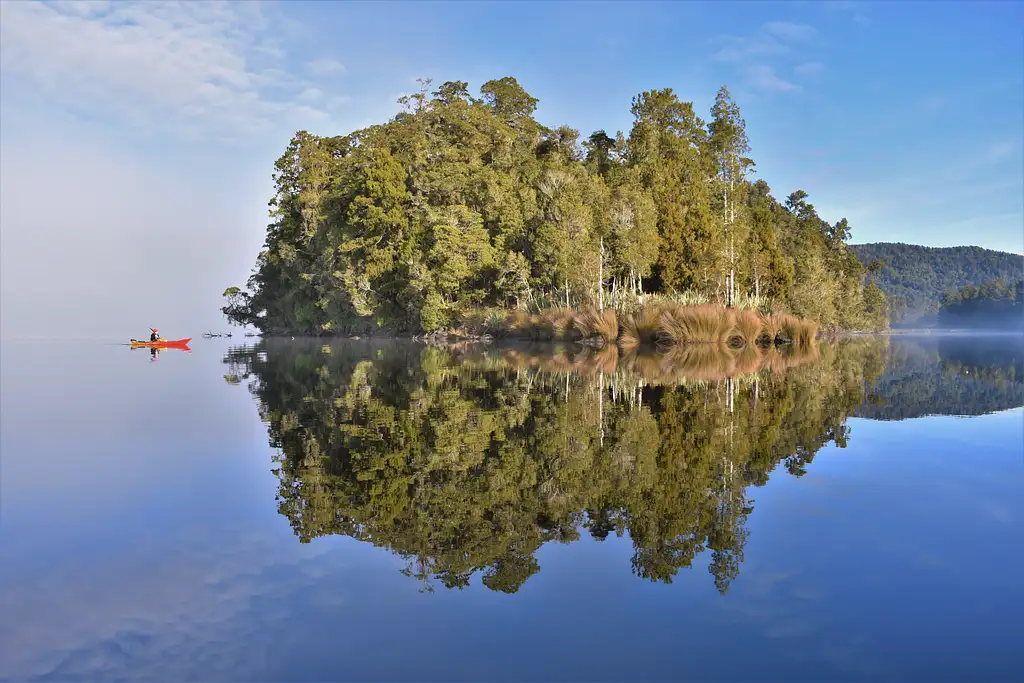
[(466, 215)]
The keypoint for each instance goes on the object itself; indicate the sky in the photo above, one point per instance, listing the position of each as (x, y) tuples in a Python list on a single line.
[(137, 138)]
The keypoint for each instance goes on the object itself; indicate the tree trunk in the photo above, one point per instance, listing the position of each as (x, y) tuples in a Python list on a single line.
[(600, 280)]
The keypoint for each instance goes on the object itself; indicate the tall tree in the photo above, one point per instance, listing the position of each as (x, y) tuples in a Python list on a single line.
[(729, 145)]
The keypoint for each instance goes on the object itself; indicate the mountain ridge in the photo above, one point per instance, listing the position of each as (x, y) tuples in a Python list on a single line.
[(915, 276)]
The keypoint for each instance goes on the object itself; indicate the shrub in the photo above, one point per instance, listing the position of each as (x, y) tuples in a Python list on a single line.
[(603, 324)]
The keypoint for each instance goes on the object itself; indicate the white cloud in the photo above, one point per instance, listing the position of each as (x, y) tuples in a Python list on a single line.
[(326, 66), (855, 10), (809, 68), (764, 77), (758, 56), (787, 30), (739, 49), (1000, 150), (191, 64)]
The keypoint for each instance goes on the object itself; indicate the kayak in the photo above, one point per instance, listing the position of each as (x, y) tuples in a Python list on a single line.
[(162, 344)]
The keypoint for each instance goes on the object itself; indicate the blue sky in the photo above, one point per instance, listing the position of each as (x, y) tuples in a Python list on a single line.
[(138, 137)]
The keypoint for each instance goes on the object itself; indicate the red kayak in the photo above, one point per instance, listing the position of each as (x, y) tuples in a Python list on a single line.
[(162, 344)]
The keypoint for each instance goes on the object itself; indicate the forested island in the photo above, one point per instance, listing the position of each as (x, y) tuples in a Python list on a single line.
[(461, 209), (915, 278)]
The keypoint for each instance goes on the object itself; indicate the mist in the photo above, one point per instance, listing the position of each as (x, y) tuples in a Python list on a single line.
[(98, 242)]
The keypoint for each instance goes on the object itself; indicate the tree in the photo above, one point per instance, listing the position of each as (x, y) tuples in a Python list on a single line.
[(728, 142)]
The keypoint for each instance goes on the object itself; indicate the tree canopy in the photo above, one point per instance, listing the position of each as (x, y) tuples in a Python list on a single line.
[(460, 203)]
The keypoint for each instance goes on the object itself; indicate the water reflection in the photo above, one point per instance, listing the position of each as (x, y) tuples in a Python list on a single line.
[(948, 375), (466, 461)]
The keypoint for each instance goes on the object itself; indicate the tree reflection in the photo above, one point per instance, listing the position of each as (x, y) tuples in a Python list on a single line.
[(465, 461), (948, 375)]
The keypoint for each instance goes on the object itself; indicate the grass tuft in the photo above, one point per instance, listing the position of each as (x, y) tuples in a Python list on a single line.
[(642, 328), (594, 324), (748, 326), (703, 324)]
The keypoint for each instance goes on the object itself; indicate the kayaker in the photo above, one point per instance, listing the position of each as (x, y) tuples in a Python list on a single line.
[(154, 335)]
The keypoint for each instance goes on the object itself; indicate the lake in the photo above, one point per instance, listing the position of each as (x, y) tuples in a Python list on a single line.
[(292, 510)]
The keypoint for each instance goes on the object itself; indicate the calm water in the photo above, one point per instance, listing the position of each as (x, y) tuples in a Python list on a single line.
[(294, 512)]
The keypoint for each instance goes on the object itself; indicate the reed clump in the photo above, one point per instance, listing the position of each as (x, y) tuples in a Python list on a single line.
[(601, 325), (552, 324), (663, 324), (702, 324), (793, 330), (748, 324), (641, 328)]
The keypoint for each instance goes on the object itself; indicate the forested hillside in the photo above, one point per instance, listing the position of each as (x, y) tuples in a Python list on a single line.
[(915, 278), (994, 305), (461, 203)]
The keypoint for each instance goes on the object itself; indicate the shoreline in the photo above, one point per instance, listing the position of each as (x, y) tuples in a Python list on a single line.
[(450, 338)]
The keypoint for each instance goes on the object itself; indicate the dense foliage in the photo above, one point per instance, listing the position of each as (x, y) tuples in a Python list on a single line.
[(461, 203), (994, 305), (915, 278), (467, 464)]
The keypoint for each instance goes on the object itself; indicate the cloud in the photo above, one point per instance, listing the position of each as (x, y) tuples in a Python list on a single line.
[(757, 56), (326, 67), (211, 606), (855, 10), (1000, 150), (194, 64), (787, 30), (809, 69), (764, 77), (738, 49)]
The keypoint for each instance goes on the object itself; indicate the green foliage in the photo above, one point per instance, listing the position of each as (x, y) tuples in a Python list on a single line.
[(915, 278), (459, 203)]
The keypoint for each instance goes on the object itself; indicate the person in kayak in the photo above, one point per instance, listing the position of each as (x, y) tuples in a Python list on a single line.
[(154, 335)]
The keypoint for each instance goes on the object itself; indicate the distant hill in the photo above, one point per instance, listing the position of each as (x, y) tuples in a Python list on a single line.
[(915, 277)]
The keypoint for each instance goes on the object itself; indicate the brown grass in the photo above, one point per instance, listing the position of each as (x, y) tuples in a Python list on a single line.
[(748, 326), (703, 324), (553, 324), (663, 324), (592, 324), (642, 328), (517, 324), (772, 326), (795, 330)]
